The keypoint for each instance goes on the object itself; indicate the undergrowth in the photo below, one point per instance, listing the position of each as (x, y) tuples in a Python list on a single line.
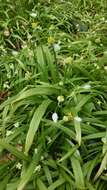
[(53, 95)]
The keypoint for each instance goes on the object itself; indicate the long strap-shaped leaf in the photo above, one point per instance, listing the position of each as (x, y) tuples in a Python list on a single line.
[(77, 125), (78, 173), (13, 150), (42, 66), (102, 167), (52, 66), (40, 90), (84, 100), (30, 170), (35, 123), (41, 185)]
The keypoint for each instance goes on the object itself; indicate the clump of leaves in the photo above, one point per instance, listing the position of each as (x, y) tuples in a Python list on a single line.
[(53, 86)]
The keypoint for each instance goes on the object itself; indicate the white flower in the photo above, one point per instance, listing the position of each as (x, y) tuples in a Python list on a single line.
[(8, 133), (14, 53), (19, 166), (34, 15), (55, 117), (16, 124), (56, 47), (86, 86), (78, 119)]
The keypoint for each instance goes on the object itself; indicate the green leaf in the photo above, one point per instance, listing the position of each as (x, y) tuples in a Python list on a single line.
[(102, 167), (30, 170), (48, 174), (40, 90), (41, 185), (77, 125), (56, 184), (84, 100), (14, 150), (42, 66), (78, 174), (95, 136), (3, 184), (66, 130), (69, 153), (34, 124), (51, 65)]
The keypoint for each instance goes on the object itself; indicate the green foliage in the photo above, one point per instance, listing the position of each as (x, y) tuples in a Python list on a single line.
[(53, 95)]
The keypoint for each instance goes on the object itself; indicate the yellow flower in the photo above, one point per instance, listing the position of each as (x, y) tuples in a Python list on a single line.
[(68, 60), (65, 118), (51, 40), (34, 24), (68, 117), (60, 99)]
